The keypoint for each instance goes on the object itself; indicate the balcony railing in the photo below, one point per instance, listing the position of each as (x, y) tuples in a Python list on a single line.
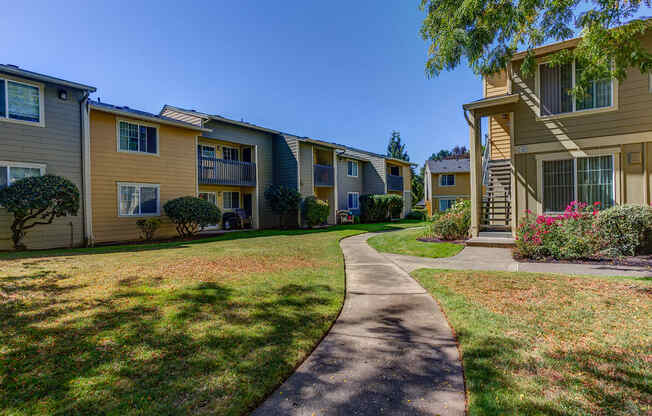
[(394, 183), (226, 172), (324, 175)]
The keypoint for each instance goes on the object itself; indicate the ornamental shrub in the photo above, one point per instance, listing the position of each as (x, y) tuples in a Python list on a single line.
[(315, 211), (416, 214), (374, 208), (36, 201), (148, 227), (394, 205), (626, 230), (454, 224), (284, 202), (190, 214), (572, 235)]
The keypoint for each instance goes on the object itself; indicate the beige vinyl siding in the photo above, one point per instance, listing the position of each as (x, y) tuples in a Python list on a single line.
[(58, 147), (181, 116), (174, 170), (495, 85), (306, 186), (499, 135)]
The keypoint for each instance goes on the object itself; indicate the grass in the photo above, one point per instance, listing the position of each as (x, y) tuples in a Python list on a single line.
[(536, 344), (207, 326), (405, 242)]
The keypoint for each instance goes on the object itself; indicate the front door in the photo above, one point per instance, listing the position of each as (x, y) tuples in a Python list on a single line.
[(247, 204)]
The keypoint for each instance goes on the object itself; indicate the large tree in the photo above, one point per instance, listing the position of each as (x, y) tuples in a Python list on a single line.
[(486, 33), (396, 148)]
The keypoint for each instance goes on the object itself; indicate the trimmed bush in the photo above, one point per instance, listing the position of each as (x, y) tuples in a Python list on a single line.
[(148, 227), (315, 211), (190, 215), (284, 202), (36, 201), (377, 208), (417, 214), (454, 224), (626, 230)]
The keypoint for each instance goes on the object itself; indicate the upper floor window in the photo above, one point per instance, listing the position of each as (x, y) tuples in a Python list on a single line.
[(10, 172), (230, 153), (555, 82), (395, 171), (446, 180), (206, 151), (352, 168), (21, 102), (137, 138)]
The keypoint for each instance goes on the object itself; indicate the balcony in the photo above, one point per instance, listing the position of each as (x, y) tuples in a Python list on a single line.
[(394, 183), (324, 175), (226, 172)]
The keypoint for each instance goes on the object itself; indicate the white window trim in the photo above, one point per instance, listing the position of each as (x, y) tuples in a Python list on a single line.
[(214, 152), (208, 193), (9, 165), (231, 148), (441, 180), (354, 162), (615, 163), (138, 123), (232, 192), (357, 199), (139, 185), (41, 101), (574, 112)]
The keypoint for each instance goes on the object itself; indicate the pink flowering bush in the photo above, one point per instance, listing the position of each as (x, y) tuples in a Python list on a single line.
[(571, 235), (454, 224)]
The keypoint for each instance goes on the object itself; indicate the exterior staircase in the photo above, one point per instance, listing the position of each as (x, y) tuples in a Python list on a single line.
[(497, 198)]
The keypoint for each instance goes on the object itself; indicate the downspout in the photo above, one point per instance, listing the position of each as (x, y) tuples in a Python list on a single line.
[(86, 170)]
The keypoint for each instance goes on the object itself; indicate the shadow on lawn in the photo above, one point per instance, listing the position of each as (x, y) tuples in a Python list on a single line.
[(144, 350), (142, 246)]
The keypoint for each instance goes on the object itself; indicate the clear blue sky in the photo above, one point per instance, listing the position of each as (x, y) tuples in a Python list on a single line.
[(344, 71)]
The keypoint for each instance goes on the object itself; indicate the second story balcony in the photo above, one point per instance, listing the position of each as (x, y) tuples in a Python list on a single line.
[(214, 171), (324, 175), (394, 183)]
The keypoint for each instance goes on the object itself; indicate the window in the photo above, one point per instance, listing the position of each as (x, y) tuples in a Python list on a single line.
[(352, 168), (354, 198), (587, 179), (229, 153), (446, 204), (208, 196), (206, 151), (230, 200), (135, 199), (446, 180), (21, 102), (555, 82), (395, 171), (10, 172), (137, 138)]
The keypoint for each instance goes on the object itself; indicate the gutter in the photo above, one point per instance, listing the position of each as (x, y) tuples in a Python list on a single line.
[(86, 170)]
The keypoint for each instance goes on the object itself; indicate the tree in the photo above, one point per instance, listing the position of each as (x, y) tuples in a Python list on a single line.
[(190, 214), (395, 148), (486, 34), (417, 187), (283, 201), (36, 201)]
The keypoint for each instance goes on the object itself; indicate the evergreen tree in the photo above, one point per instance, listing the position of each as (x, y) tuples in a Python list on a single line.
[(395, 148)]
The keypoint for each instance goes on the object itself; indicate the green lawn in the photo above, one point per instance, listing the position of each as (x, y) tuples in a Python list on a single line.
[(536, 344), (405, 242), (209, 326)]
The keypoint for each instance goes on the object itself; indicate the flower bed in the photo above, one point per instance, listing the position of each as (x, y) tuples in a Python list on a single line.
[(585, 232)]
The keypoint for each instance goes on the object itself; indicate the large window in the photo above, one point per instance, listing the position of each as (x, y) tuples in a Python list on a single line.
[(208, 196), (354, 198), (587, 179), (230, 200), (206, 151), (137, 138), (10, 172), (555, 82), (352, 168), (230, 153), (446, 180), (138, 199), (446, 204), (21, 101)]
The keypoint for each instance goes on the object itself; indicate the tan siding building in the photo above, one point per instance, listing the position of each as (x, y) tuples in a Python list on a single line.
[(445, 182), (171, 170)]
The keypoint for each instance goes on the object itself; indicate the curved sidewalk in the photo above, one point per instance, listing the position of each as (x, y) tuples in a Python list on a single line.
[(390, 352)]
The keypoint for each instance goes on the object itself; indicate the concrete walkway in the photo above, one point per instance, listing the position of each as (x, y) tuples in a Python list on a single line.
[(391, 351), (500, 259)]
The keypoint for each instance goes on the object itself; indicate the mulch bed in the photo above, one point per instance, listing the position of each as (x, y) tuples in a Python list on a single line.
[(438, 240), (634, 261)]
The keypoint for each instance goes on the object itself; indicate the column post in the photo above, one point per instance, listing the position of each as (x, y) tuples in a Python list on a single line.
[(475, 138)]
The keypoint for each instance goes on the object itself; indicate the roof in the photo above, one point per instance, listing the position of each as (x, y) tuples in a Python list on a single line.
[(142, 115), (217, 117), (492, 101), (449, 165), (15, 70)]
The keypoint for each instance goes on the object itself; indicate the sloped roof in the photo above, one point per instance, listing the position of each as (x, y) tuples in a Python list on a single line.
[(449, 165), (16, 70), (143, 115)]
